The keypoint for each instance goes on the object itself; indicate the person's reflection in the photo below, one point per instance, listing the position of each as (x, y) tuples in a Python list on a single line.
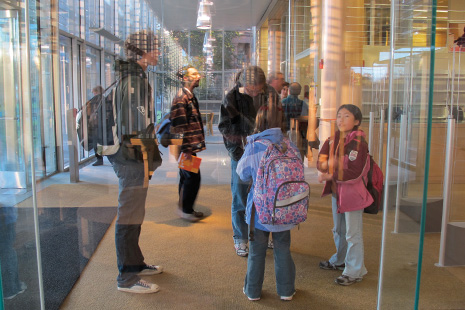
[(8, 258), (97, 91), (237, 121)]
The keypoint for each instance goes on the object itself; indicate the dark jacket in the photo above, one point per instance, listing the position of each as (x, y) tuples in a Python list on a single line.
[(237, 118), (134, 102), (186, 119), (350, 166)]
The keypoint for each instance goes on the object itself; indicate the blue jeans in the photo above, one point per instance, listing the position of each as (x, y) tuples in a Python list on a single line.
[(131, 212), (9, 259), (238, 205), (348, 238), (284, 267)]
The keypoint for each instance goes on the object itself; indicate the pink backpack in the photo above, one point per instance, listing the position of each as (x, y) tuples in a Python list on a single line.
[(281, 194)]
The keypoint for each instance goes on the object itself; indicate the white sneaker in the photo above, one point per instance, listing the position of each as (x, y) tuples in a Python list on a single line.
[(287, 298), (141, 287), (149, 270)]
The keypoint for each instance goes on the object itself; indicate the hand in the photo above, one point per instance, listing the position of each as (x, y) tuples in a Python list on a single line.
[(188, 155), (325, 177)]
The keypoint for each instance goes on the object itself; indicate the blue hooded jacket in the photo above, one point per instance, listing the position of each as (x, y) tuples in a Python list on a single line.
[(247, 169)]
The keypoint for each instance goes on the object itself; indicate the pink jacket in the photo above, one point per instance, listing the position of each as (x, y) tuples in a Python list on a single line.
[(351, 192)]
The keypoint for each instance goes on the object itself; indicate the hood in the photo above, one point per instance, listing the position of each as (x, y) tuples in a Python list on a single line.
[(124, 68), (275, 135)]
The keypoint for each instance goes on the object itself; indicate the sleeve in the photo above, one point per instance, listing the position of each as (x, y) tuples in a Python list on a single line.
[(178, 116), (229, 118), (355, 157), (247, 166)]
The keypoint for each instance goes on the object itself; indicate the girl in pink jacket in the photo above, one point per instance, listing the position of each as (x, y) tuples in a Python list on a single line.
[(344, 161)]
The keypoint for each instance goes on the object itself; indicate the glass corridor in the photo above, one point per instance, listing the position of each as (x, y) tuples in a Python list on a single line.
[(399, 61)]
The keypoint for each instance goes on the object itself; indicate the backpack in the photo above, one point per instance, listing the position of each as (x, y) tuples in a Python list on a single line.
[(281, 194), (375, 187), (163, 131), (97, 129)]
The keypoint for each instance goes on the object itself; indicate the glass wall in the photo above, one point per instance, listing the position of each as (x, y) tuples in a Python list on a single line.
[(396, 60)]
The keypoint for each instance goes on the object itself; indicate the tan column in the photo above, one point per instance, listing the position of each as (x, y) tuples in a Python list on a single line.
[(275, 41)]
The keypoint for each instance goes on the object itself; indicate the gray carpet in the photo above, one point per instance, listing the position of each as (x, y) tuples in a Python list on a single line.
[(202, 270)]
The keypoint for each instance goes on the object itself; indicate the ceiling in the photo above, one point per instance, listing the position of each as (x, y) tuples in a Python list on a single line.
[(226, 14)]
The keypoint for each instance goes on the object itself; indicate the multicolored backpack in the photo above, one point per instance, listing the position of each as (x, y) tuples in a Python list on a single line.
[(281, 194)]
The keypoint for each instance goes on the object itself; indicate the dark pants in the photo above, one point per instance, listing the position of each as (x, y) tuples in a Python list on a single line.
[(131, 212), (189, 185)]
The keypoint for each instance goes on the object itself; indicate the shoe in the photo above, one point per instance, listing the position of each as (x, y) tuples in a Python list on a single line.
[(251, 299), (346, 280), (326, 265), (149, 270), (270, 244), (141, 287), (191, 217), (99, 162), (241, 249), (287, 298), (23, 288)]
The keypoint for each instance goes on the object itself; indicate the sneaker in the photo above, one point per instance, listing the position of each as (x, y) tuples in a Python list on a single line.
[(191, 217), (346, 280), (99, 162), (270, 244), (23, 288), (287, 298), (241, 249), (251, 299), (326, 265), (149, 270), (141, 287)]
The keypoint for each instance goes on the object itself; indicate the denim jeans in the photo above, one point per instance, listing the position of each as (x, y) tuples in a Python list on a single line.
[(348, 238), (284, 267), (238, 205), (131, 212), (189, 185), (9, 259)]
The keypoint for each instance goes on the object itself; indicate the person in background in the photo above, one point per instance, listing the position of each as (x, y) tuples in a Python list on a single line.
[(134, 98), (285, 91), (276, 80), (461, 40), (292, 105), (237, 121), (97, 91), (344, 163), (267, 127), (186, 120)]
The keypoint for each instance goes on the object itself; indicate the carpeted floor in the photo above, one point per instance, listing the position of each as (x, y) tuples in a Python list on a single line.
[(202, 270)]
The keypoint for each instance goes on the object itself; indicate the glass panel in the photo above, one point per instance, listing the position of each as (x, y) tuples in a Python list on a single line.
[(69, 16), (92, 18), (66, 91)]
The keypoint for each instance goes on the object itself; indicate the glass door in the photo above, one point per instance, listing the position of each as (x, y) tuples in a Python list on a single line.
[(12, 167), (66, 83)]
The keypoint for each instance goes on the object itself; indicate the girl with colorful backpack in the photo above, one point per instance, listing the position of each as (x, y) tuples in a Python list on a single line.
[(344, 163), (267, 134)]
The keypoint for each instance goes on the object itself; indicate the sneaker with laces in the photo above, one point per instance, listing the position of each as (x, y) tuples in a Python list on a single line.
[(251, 299), (149, 270), (22, 289), (326, 265), (346, 280), (141, 287), (241, 249), (287, 298)]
